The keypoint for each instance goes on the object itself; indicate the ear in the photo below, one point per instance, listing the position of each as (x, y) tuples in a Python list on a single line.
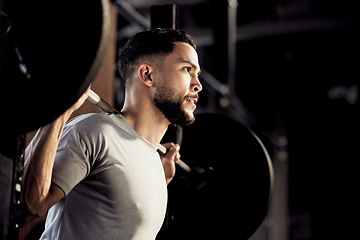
[(144, 74)]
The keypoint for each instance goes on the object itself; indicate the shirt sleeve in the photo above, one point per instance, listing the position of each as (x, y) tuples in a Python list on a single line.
[(72, 160)]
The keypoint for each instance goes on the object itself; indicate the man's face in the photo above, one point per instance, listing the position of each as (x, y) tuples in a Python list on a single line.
[(178, 85)]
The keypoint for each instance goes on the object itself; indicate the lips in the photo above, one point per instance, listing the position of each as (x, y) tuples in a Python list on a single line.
[(192, 99)]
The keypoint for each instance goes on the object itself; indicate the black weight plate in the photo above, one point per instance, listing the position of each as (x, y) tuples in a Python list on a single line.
[(62, 45), (230, 199)]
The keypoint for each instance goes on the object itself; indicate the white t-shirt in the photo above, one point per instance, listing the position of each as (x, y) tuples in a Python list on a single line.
[(113, 180)]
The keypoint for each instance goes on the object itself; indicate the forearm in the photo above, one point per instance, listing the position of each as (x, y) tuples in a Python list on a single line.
[(40, 156)]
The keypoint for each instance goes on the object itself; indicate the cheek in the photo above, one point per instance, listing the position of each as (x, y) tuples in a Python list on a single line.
[(176, 83), (181, 85), (166, 92)]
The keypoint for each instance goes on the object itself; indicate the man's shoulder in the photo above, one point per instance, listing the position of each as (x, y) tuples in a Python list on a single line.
[(89, 119), (91, 123), (99, 124)]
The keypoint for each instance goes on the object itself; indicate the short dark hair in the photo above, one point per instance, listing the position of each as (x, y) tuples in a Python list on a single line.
[(156, 42)]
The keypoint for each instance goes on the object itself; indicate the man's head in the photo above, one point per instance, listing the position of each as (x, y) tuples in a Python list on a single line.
[(166, 63), (153, 44)]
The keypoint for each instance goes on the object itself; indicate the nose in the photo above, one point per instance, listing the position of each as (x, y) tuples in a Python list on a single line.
[(196, 85)]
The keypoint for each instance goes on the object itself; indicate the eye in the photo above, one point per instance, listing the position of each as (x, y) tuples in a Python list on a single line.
[(188, 69)]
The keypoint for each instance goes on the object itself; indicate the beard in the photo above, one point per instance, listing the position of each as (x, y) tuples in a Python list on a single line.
[(171, 105)]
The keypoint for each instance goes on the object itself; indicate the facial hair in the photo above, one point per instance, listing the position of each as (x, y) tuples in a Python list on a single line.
[(170, 104)]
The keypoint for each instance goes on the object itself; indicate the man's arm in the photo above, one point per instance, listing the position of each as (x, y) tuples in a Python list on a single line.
[(40, 193)]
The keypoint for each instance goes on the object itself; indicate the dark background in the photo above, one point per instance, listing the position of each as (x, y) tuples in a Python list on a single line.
[(297, 75), (292, 76)]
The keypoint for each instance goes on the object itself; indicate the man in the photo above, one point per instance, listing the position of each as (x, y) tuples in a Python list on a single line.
[(107, 180)]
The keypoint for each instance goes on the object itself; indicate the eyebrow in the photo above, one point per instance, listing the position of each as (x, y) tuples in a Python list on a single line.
[(192, 65)]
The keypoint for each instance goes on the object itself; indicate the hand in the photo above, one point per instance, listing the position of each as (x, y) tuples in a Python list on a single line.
[(169, 160), (77, 104), (80, 101)]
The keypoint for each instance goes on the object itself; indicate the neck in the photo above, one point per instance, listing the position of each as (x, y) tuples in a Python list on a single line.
[(146, 119)]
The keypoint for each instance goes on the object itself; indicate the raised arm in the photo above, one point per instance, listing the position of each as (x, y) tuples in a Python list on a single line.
[(40, 194)]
